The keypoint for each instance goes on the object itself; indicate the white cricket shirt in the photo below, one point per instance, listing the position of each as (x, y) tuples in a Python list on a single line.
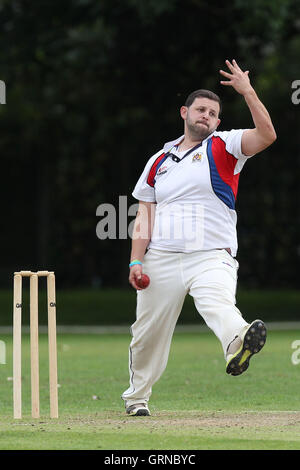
[(195, 192)]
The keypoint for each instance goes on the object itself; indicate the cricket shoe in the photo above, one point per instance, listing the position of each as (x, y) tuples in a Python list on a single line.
[(250, 341), (138, 409)]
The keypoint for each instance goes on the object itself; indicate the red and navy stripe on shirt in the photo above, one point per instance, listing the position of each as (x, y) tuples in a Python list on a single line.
[(221, 164), (154, 169)]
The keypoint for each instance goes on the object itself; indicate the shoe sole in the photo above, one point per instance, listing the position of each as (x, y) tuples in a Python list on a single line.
[(142, 413), (254, 340), (139, 412)]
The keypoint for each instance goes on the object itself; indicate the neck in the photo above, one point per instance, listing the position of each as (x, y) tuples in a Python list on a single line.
[(189, 140), (188, 143)]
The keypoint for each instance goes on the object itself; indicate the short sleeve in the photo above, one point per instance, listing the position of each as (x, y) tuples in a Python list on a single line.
[(233, 144), (143, 191)]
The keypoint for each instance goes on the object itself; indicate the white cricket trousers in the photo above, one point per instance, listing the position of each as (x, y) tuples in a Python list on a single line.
[(210, 277)]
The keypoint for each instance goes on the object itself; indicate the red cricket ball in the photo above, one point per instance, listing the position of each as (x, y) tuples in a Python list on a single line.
[(143, 282)]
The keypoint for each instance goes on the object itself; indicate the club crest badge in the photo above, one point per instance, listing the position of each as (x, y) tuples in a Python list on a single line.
[(197, 157)]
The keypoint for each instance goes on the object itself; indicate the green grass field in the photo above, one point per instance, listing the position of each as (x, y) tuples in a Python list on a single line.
[(195, 405)]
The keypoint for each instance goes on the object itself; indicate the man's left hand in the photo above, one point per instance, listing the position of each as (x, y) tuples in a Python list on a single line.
[(238, 79)]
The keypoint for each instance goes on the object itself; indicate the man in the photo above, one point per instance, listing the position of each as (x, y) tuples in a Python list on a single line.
[(185, 237)]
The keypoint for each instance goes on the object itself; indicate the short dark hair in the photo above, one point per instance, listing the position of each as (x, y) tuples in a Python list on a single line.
[(202, 94)]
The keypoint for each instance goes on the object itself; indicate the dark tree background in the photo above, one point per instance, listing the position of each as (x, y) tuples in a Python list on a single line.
[(93, 89)]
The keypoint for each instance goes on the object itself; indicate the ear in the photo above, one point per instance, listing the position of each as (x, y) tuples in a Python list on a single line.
[(219, 120), (183, 112)]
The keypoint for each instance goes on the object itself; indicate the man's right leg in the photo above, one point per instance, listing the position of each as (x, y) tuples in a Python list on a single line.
[(158, 308)]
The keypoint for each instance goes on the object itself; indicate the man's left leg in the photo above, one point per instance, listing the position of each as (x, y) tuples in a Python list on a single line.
[(213, 288)]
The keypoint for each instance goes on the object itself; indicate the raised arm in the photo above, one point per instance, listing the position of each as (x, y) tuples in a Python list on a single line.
[(263, 135)]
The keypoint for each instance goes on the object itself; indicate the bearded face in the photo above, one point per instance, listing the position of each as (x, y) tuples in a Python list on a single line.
[(201, 118)]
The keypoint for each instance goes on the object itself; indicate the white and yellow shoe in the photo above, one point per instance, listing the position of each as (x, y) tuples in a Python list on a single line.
[(250, 341), (138, 409)]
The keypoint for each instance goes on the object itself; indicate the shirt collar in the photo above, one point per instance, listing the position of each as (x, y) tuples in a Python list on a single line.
[(169, 145)]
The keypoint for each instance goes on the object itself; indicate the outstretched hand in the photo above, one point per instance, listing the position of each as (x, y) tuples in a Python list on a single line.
[(238, 79)]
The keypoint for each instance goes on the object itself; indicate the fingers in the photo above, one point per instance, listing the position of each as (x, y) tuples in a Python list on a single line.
[(236, 77), (226, 74), (227, 82), (236, 65), (134, 274), (229, 65), (233, 66), (133, 281)]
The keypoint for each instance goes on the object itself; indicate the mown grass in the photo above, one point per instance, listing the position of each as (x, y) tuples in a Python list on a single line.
[(195, 405)]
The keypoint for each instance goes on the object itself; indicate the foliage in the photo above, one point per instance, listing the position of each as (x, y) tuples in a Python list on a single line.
[(93, 89), (115, 307)]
